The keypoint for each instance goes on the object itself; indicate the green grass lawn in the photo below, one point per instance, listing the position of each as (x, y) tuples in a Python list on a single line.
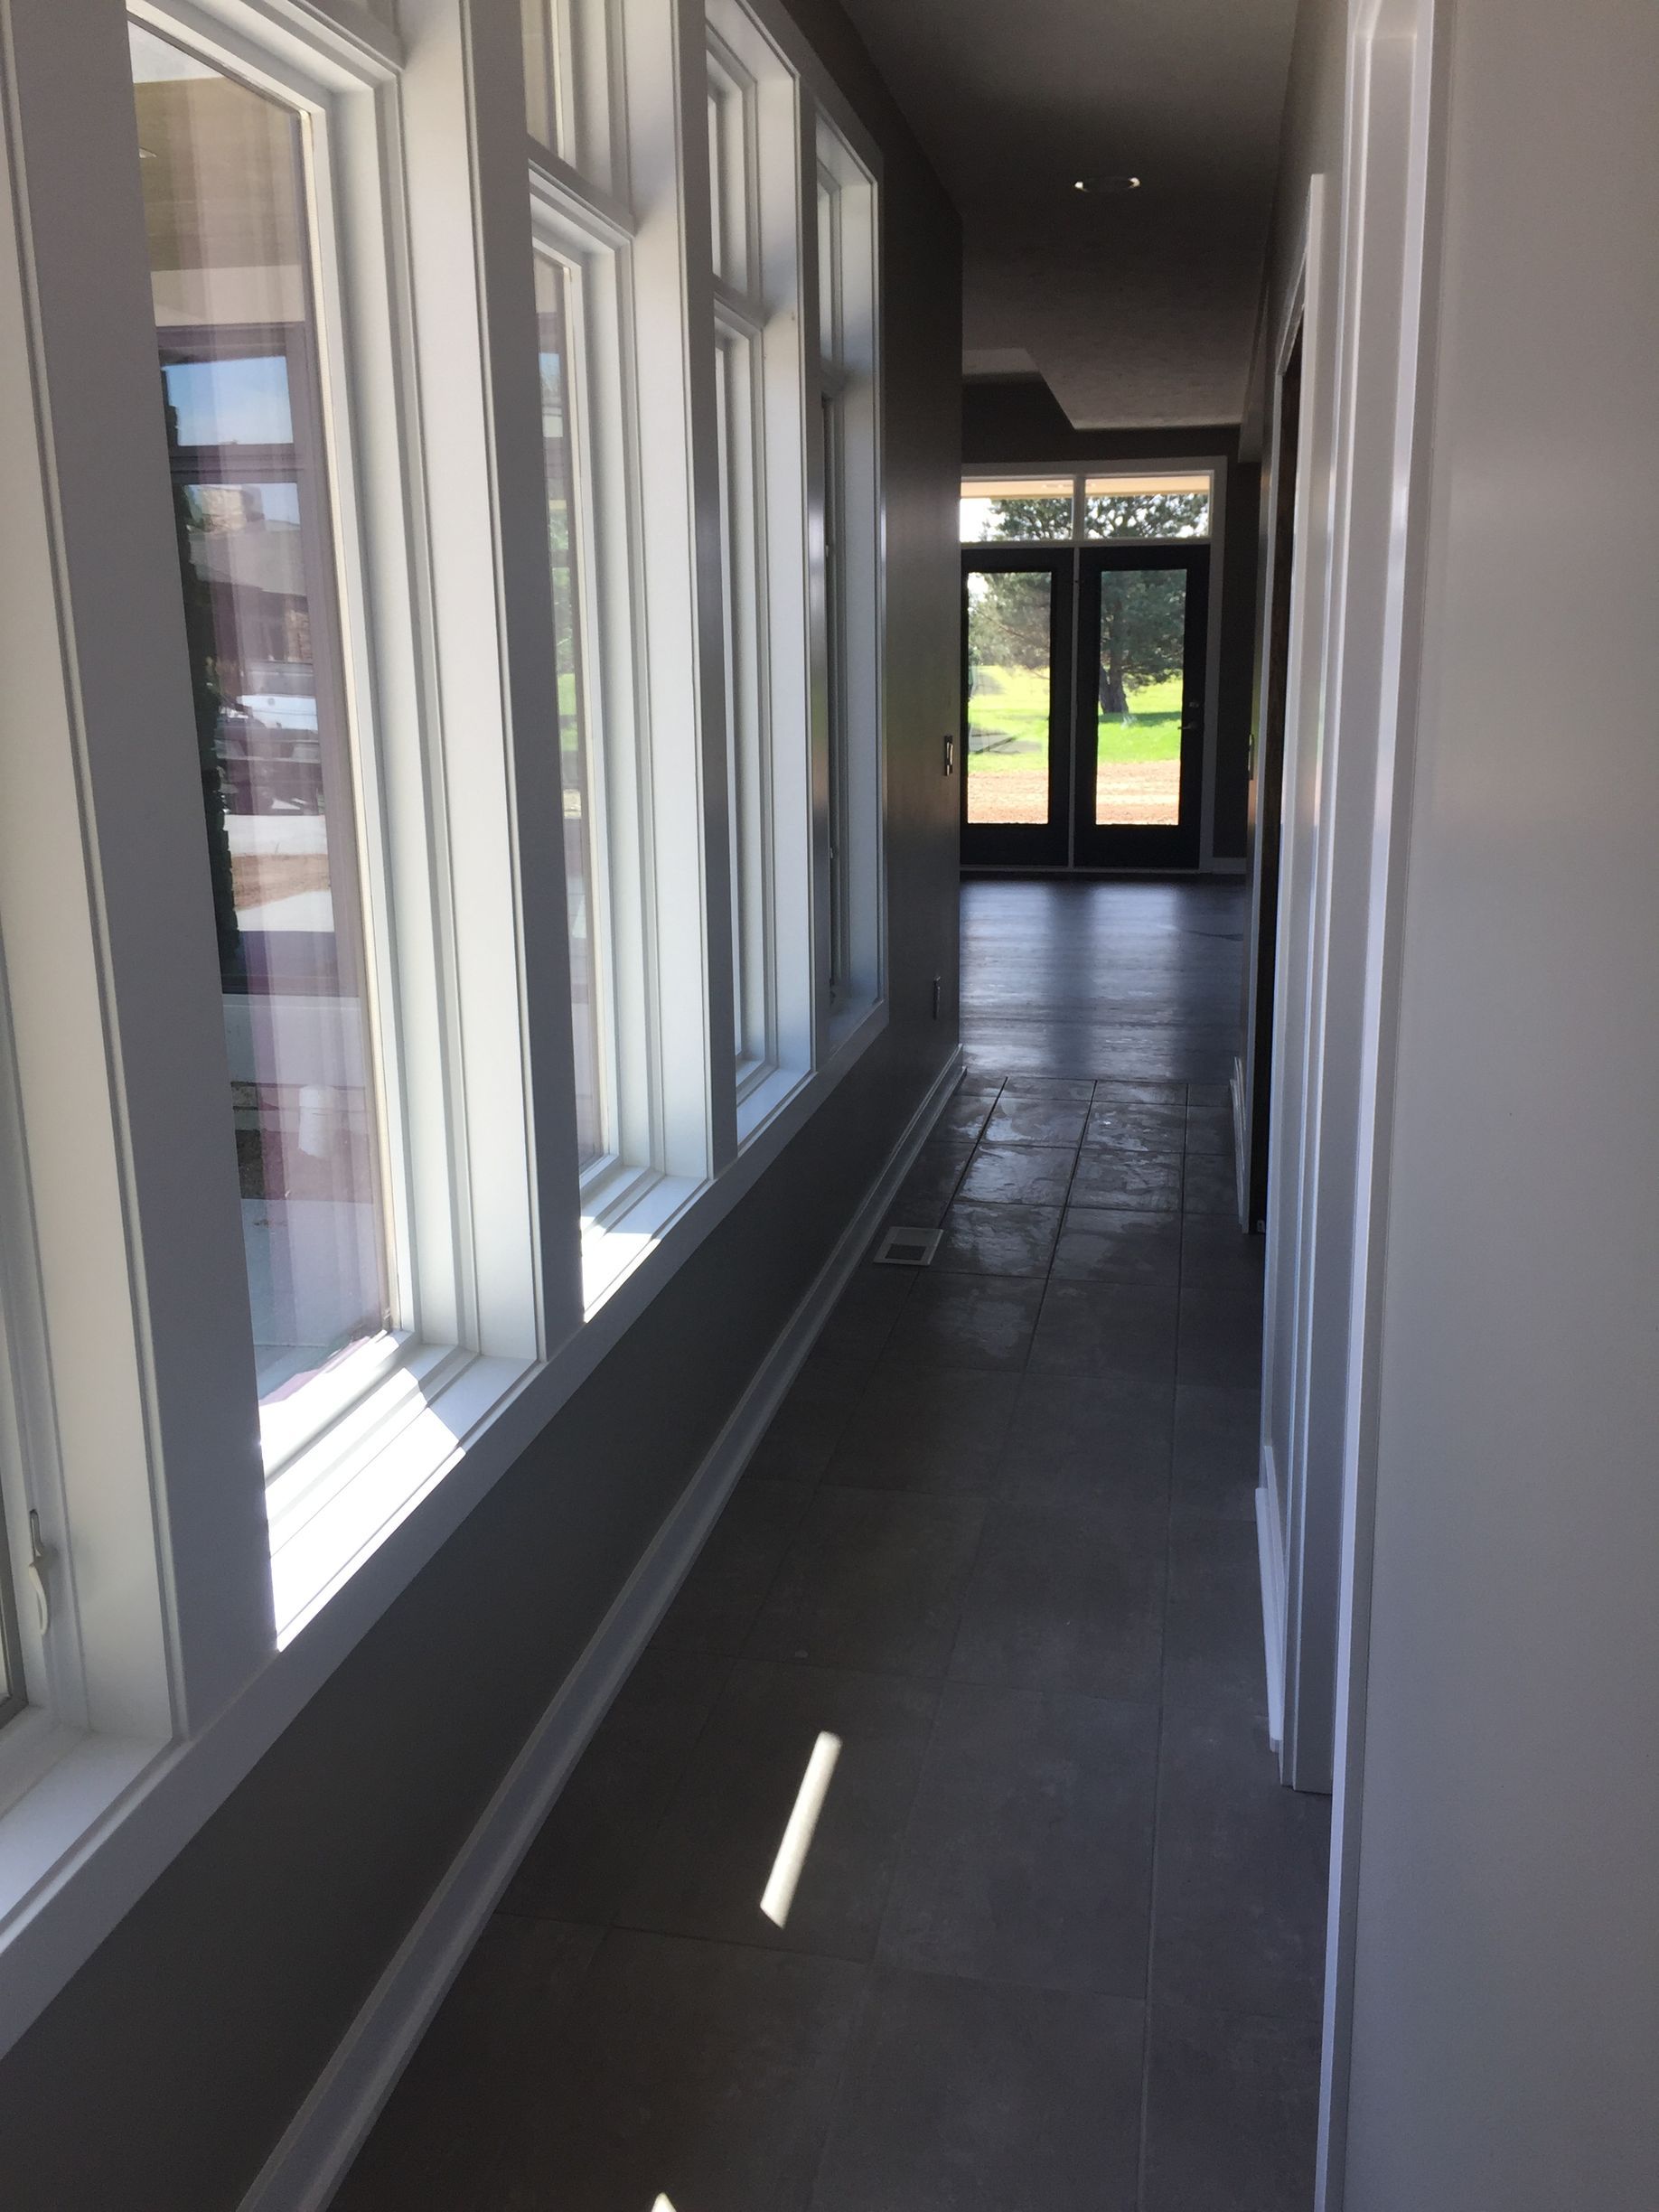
[(1008, 722)]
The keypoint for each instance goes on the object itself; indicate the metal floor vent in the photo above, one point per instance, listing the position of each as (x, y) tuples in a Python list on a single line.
[(908, 1247)]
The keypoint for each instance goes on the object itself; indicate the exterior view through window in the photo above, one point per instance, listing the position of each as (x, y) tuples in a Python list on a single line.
[(553, 320), (226, 192)]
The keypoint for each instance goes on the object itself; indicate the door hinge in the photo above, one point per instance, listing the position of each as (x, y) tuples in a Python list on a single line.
[(950, 755)]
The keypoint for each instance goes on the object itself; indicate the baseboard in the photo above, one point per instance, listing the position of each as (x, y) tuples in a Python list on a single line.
[(1270, 1557), (308, 2164)]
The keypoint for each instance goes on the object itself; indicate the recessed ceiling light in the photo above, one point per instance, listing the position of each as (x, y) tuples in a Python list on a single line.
[(1107, 184)]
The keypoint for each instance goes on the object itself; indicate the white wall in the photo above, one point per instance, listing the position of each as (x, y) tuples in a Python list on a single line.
[(1504, 1889)]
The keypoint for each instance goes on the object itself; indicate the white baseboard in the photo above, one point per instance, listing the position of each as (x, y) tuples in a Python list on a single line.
[(308, 2164), (1270, 1557)]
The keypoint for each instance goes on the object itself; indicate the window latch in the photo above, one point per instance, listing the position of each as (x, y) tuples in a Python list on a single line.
[(39, 1557), (949, 754)]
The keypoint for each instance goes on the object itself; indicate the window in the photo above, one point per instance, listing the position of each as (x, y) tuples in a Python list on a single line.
[(1023, 510), (394, 719), (570, 102), (1122, 506), (1155, 507), (850, 735), (230, 210), (578, 784), (741, 315)]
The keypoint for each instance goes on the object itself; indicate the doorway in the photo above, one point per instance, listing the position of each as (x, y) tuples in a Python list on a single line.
[(1084, 672)]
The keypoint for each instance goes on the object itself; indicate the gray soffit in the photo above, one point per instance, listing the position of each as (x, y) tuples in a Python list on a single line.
[(1138, 308)]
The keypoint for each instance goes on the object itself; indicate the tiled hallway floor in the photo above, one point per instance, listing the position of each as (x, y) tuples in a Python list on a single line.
[(1056, 1942)]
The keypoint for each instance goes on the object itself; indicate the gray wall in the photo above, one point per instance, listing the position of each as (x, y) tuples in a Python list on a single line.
[(1014, 422), (160, 2078)]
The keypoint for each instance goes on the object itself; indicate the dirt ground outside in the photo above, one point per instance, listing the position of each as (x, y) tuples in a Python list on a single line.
[(1127, 794)]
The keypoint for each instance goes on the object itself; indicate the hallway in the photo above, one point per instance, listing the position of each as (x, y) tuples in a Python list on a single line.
[(985, 1602)]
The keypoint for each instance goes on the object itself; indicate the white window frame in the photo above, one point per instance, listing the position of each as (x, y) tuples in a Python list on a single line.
[(850, 924), (575, 104), (199, 1609)]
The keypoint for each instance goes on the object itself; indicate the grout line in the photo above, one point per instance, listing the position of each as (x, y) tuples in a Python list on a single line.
[(1158, 1761)]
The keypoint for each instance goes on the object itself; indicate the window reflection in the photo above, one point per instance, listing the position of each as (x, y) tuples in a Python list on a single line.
[(225, 189)]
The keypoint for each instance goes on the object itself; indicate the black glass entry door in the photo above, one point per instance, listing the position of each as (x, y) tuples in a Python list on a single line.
[(1082, 705), (1138, 748)]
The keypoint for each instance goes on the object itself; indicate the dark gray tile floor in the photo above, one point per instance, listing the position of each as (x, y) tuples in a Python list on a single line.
[(1053, 1942)]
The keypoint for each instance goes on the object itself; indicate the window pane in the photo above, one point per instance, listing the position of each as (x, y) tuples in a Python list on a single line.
[(1023, 511), (575, 761), (1138, 761), (1147, 506), (1008, 686), (226, 189), (539, 47)]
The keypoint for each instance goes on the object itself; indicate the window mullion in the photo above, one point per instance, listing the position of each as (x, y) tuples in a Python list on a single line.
[(491, 610), (140, 792)]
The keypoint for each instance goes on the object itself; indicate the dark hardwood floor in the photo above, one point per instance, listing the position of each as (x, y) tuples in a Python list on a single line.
[(1056, 1939)]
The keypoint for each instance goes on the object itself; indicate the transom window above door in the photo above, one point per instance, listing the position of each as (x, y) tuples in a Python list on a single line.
[(1157, 507)]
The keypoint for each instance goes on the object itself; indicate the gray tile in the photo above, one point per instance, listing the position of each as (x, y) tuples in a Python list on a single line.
[(861, 1320), (1233, 2109), (609, 1809), (1058, 1604), (1209, 1129), (1203, 1094), (1216, 1254), (1058, 1090), (444, 2140), (1143, 1132), (873, 1582), (1029, 1854), (928, 1188), (1100, 1244), (997, 1240), (1164, 1097), (1034, 1118), (1213, 1639), (714, 1855), (705, 2073), (1096, 1446), (1026, 1175), (807, 1425), (718, 1600), (1106, 1328), (968, 1322), (921, 1428), (960, 2096), (1217, 1450), (1242, 1864), (1221, 1335), (966, 1112), (1106, 1178), (1210, 1185)]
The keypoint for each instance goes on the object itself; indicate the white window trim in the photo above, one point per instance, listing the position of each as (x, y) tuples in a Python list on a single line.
[(196, 1680)]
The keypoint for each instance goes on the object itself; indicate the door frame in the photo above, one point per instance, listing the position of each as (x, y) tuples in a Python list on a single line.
[(1046, 845), (1141, 846)]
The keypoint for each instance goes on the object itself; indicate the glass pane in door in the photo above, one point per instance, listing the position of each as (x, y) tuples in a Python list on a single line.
[(1138, 701), (1009, 681)]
